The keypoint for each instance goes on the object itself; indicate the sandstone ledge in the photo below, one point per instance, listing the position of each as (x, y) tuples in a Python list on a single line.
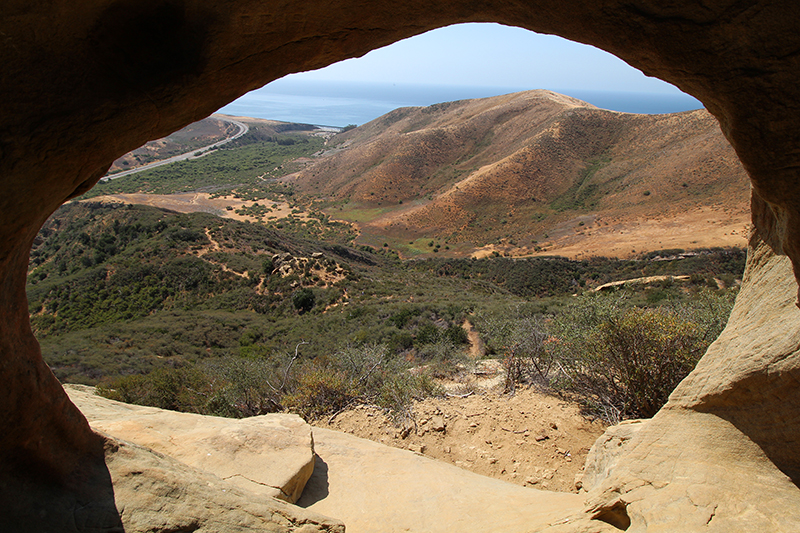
[(184, 472), (379, 489), (271, 455)]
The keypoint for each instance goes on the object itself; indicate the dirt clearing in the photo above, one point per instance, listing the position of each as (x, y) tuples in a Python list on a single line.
[(531, 439)]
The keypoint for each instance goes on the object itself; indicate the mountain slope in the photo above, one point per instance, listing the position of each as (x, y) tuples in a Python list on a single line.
[(524, 170)]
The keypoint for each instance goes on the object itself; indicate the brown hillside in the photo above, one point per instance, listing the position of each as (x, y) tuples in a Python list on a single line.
[(195, 135), (526, 171)]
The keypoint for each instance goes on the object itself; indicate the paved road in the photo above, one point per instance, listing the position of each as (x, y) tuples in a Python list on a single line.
[(243, 128)]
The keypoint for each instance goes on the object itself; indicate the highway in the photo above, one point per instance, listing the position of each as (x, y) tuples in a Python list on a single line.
[(243, 128)]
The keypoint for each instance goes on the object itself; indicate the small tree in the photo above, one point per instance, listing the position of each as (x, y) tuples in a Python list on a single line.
[(521, 338), (304, 300)]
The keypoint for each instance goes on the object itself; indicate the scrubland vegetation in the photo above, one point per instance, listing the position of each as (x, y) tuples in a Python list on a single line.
[(619, 359), (209, 315)]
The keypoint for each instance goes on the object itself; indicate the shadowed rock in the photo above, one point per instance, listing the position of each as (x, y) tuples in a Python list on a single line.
[(86, 81)]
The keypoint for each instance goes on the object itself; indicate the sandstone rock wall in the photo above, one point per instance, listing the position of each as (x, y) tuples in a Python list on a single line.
[(84, 81)]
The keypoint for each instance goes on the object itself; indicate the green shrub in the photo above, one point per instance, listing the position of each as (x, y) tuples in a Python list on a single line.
[(367, 374), (320, 390), (624, 362), (303, 300), (246, 387), (177, 389), (456, 334)]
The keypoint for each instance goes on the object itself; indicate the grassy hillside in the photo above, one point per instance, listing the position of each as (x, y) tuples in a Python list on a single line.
[(512, 169)]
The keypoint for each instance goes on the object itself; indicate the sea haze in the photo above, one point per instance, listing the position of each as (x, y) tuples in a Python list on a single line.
[(342, 103)]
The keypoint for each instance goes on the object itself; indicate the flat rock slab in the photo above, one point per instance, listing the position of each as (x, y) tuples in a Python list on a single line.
[(375, 488), (154, 493), (272, 455)]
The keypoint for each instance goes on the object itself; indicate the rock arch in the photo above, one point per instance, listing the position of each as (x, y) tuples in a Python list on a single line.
[(85, 81)]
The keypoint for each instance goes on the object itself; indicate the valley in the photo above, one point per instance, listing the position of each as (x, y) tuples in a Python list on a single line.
[(368, 279), (522, 175)]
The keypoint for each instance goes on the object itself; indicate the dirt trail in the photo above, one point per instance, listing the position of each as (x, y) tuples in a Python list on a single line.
[(476, 348), (214, 245), (531, 439)]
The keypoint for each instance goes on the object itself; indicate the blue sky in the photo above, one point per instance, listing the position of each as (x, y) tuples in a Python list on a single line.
[(458, 62), (493, 55)]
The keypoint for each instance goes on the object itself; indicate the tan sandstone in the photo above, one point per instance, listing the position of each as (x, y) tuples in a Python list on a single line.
[(718, 456), (271, 455), (378, 489), (85, 81)]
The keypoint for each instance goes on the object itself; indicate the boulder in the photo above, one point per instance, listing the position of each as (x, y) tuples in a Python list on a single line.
[(272, 455), (155, 493), (166, 471)]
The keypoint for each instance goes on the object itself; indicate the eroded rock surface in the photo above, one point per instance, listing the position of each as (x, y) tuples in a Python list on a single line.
[(86, 81), (718, 456), (272, 455), (182, 472), (158, 494), (605, 453), (378, 489)]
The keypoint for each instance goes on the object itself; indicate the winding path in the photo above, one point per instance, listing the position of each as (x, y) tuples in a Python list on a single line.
[(243, 128)]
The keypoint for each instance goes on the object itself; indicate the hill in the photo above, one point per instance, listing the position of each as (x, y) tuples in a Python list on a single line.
[(533, 172), (116, 290), (193, 136)]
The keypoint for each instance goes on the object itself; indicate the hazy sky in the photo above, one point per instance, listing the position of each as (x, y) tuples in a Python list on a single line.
[(459, 62), (493, 55)]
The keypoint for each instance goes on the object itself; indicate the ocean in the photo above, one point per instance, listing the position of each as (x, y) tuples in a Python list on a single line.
[(342, 103)]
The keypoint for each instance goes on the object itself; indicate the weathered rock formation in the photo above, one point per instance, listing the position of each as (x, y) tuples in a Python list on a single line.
[(185, 472), (378, 489), (85, 81), (271, 455), (605, 453), (721, 455)]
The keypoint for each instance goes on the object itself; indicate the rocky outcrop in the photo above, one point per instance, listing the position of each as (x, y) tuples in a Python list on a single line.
[(271, 455), (378, 489), (155, 493), (718, 456), (86, 81), (183, 472)]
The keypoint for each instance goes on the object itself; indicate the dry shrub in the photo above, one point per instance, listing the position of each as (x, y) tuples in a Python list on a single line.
[(624, 362), (320, 391)]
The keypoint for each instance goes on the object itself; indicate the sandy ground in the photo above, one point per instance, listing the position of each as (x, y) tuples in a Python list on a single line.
[(529, 438), (197, 202), (613, 237)]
